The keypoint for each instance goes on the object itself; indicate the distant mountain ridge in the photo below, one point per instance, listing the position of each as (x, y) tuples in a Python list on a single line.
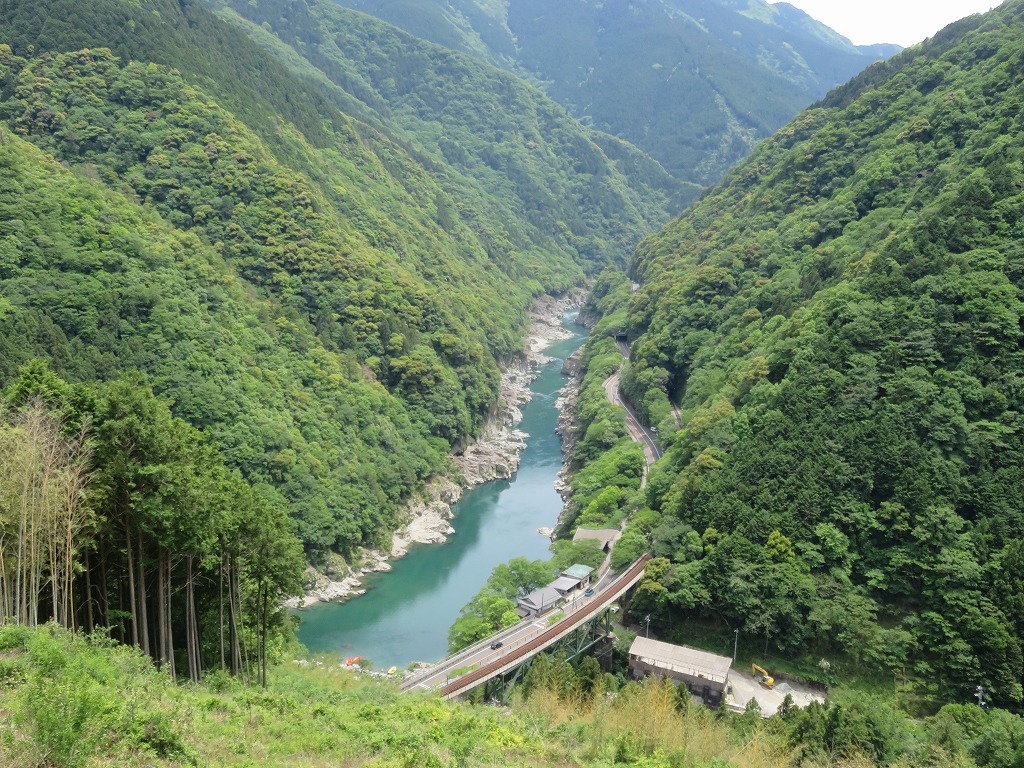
[(694, 84)]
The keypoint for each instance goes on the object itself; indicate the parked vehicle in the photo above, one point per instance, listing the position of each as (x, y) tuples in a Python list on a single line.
[(762, 676)]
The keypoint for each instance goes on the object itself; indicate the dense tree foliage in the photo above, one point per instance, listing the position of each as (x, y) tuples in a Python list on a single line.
[(508, 148), (281, 258), (98, 285), (115, 514), (840, 322), (695, 84)]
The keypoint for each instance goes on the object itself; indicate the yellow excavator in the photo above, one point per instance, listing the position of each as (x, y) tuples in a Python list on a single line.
[(762, 676)]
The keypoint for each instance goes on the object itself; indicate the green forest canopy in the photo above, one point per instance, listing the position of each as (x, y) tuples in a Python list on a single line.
[(694, 84), (840, 322), (286, 264)]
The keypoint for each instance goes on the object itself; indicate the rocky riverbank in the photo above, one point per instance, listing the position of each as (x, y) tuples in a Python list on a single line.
[(494, 454), (568, 426)]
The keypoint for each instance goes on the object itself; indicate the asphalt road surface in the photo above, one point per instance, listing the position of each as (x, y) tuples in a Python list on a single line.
[(511, 639), (643, 435)]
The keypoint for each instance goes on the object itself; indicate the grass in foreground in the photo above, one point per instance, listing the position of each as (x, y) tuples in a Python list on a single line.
[(69, 700)]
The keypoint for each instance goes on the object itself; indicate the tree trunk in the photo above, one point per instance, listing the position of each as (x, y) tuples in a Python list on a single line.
[(136, 634), (6, 605), (236, 653), (105, 588), (246, 665), (263, 637), (20, 614), (90, 618), (220, 608), (192, 624), (143, 611), (168, 628), (161, 618)]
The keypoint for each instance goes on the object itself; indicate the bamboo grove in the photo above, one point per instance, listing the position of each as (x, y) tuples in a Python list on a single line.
[(116, 516)]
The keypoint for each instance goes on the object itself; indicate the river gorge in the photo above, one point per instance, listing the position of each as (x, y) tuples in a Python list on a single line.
[(406, 612)]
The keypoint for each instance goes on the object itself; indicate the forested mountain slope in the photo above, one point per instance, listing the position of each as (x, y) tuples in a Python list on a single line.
[(840, 321), (694, 84), (324, 299), (102, 490), (499, 137)]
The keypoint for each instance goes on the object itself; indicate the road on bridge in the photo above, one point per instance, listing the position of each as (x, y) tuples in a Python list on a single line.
[(480, 662), (511, 639), (548, 637)]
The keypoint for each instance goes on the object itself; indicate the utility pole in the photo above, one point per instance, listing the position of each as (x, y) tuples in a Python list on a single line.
[(647, 620), (735, 644)]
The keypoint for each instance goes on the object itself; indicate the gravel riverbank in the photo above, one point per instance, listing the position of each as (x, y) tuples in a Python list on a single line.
[(494, 454)]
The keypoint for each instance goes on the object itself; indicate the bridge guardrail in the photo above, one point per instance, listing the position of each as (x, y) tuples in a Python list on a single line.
[(548, 636), (454, 661)]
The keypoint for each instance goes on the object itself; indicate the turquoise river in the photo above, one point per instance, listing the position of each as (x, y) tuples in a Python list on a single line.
[(405, 614)]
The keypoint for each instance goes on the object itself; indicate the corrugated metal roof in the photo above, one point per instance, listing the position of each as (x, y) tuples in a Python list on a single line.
[(681, 659), (578, 571), (564, 583)]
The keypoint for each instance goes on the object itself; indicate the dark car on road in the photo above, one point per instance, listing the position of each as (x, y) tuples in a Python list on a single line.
[(496, 645)]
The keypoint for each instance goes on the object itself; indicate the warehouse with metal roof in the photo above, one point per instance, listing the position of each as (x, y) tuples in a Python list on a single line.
[(705, 674)]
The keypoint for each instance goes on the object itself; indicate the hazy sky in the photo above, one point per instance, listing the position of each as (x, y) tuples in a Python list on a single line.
[(890, 21)]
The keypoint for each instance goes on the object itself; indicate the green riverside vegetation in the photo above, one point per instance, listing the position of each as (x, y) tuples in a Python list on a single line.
[(839, 322), (259, 266)]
